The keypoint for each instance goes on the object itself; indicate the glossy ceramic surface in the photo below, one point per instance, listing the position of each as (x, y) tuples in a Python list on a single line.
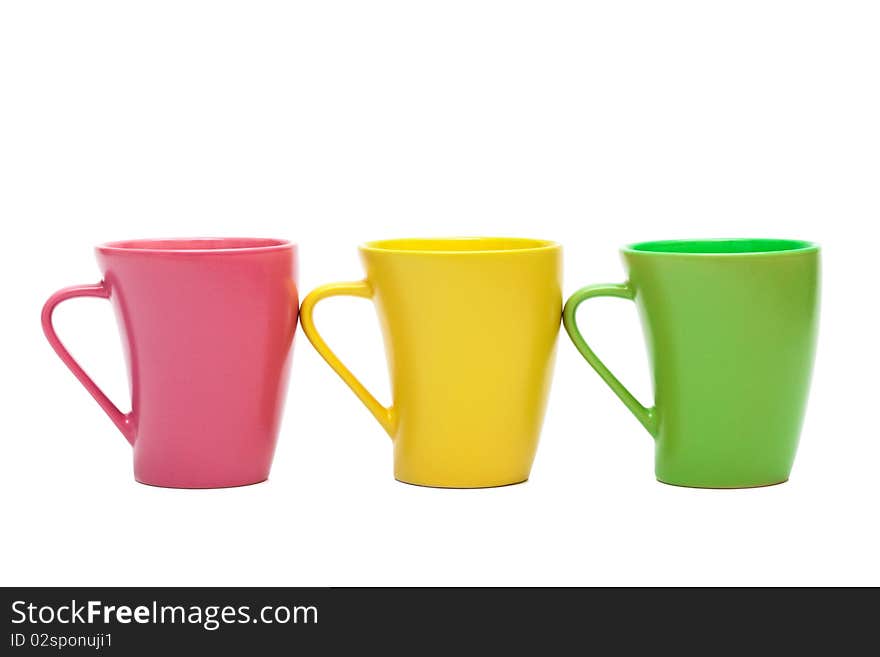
[(207, 326), (731, 331), (470, 329)]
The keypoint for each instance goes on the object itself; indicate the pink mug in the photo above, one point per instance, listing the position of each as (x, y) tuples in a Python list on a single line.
[(207, 327)]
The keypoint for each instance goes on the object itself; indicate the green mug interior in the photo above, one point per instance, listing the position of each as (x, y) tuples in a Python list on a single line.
[(722, 246)]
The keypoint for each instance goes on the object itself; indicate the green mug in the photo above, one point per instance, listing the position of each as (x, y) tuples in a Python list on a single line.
[(731, 329)]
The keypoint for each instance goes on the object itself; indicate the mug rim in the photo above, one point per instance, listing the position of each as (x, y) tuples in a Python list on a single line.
[(445, 245), (196, 245), (742, 247)]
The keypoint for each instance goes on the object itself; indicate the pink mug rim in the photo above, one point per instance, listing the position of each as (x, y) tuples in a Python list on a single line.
[(196, 245)]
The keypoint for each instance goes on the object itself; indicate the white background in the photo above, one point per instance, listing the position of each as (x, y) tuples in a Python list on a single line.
[(331, 123)]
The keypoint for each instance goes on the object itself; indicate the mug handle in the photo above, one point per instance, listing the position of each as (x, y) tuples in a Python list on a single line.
[(384, 415), (124, 422), (647, 416)]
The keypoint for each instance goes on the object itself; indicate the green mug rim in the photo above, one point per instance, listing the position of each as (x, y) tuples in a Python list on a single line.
[(724, 247)]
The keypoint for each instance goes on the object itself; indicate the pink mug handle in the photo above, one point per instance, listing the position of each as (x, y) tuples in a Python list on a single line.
[(122, 421)]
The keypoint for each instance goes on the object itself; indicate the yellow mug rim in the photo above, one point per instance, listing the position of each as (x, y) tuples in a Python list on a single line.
[(459, 245)]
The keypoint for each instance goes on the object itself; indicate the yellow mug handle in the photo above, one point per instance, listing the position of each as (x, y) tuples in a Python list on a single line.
[(384, 415)]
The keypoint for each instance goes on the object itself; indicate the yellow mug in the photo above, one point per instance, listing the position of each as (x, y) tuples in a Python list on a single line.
[(470, 329)]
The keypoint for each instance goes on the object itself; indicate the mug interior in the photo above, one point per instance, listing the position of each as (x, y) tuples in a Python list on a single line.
[(195, 244), (722, 246), (448, 245)]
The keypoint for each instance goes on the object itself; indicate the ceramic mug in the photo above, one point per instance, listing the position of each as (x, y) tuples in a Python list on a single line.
[(731, 330), (207, 326), (470, 328)]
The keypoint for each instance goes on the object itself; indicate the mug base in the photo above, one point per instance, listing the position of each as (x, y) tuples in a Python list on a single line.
[(201, 487), (707, 487), (461, 487)]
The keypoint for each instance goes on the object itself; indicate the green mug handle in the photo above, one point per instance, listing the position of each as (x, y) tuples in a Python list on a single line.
[(647, 416)]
